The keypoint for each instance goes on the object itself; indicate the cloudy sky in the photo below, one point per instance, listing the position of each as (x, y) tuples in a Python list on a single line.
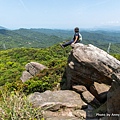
[(60, 14)]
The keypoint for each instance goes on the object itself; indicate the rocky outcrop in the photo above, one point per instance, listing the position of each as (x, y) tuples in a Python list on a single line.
[(32, 69), (99, 72), (59, 104), (88, 64)]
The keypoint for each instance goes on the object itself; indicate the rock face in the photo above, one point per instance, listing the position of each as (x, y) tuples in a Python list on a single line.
[(99, 72), (32, 69), (88, 64), (113, 99), (62, 103)]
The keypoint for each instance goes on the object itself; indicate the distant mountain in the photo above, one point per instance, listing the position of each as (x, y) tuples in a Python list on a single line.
[(107, 28), (103, 36), (2, 27), (26, 38), (41, 38), (57, 32)]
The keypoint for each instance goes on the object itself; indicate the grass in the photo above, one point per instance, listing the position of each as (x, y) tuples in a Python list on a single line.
[(15, 106)]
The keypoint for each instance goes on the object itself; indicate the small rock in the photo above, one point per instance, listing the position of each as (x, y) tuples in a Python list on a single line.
[(25, 76), (89, 98), (79, 88), (99, 91), (80, 113), (32, 69)]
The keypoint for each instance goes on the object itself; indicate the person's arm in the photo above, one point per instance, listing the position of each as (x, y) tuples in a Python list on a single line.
[(76, 38)]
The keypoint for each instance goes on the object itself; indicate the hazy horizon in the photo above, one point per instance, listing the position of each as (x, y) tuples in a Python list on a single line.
[(59, 14)]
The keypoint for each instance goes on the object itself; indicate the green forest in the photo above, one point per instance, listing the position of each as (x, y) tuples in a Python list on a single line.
[(42, 38), (19, 47)]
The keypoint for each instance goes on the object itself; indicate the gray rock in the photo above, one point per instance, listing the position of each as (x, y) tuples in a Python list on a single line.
[(63, 118), (89, 98), (113, 101), (79, 88), (56, 99), (32, 69), (80, 114), (88, 64), (99, 91), (60, 103), (25, 76)]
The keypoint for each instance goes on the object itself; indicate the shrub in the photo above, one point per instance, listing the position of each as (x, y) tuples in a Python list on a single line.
[(117, 56), (15, 106)]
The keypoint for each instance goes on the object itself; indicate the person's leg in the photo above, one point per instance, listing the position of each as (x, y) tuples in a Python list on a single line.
[(67, 43)]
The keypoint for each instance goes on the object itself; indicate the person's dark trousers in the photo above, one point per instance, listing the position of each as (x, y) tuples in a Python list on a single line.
[(67, 43)]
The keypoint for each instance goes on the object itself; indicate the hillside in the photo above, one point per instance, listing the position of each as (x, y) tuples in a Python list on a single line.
[(99, 35), (13, 61), (42, 38), (19, 47), (26, 38), (12, 64), (99, 38)]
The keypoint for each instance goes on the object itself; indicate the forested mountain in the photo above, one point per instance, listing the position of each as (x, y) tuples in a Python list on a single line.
[(41, 38), (106, 36), (26, 38)]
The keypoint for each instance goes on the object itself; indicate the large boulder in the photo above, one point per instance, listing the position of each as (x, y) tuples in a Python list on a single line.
[(58, 104), (99, 72), (32, 69), (53, 100), (88, 64)]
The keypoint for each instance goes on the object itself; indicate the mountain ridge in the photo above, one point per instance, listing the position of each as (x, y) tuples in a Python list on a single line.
[(2, 27), (41, 38)]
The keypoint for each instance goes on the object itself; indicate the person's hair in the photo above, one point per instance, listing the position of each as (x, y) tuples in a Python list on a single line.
[(76, 29)]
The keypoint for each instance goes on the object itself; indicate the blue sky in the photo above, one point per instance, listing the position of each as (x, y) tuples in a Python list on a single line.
[(63, 14)]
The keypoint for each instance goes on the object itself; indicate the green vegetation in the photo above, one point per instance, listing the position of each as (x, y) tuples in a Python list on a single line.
[(26, 38), (42, 38), (13, 102), (39, 46), (98, 38), (13, 62), (15, 106), (117, 56)]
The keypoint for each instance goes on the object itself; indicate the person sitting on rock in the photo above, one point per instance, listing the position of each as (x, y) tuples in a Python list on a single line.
[(76, 39)]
